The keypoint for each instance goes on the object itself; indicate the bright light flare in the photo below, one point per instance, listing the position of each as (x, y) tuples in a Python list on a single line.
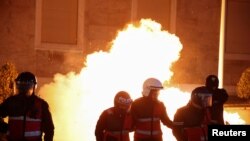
[(173, 99), (138, 52), (233, 118)]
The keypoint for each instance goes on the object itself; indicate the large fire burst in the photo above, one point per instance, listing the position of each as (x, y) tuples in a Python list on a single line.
[(139, 51)]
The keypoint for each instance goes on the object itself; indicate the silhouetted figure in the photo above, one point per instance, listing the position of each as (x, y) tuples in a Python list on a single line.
[(115, 123), (220, 96), (3, 126), (195, 117), (3, 130), (148, 112), (28, 115)]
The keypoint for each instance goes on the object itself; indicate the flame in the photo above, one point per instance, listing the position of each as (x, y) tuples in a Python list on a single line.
[(233, 118), (138, 52)]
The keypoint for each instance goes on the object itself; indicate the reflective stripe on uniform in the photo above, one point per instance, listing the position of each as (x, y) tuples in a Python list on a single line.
[(22, 118), (119, 132), (32, 133), (148, 119), (32, 126), (148, 132)]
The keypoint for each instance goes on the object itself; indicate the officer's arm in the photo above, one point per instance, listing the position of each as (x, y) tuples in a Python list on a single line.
[(3, 126), (133, 115), (47, 123), (165, 118), (4, 108), (224, 95), (100, 127), (3, 114), (178, 130), (221, 96)]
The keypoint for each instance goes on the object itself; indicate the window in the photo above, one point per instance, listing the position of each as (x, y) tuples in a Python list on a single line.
[(165, 15), (237, 30), (59, 25)]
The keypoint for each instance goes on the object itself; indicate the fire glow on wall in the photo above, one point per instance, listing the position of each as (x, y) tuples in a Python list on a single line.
[(139, 51)]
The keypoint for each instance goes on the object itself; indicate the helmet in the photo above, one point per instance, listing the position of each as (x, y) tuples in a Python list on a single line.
[(25, 81), (212, 82), (151, 84), (122, 99), (201, 97), (26, 77)]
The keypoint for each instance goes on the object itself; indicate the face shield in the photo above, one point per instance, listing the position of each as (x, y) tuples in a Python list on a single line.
[(206, 99), (25, 87), (154, 93), (124, 103)]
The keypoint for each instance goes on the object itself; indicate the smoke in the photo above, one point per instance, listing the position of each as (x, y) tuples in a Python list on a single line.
[(77, 99)]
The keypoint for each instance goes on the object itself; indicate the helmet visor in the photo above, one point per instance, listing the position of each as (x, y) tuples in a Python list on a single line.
[(24, 86), (124, 103), (206, 99)]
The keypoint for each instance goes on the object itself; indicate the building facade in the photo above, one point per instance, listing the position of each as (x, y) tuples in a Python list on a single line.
[(49, 37)]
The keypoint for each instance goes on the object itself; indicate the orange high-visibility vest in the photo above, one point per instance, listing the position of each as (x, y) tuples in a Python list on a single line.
[(199, 133), (150, 126), (118, 135), (122, 135)]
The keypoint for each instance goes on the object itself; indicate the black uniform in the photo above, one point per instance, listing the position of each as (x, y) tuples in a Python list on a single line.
[(152, 112), (190, 116), (20, 105), (113, 125), (220, 96)]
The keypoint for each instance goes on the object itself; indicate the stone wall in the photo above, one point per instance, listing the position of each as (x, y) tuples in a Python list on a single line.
[(103, 20), (197, 26), (17, 25)]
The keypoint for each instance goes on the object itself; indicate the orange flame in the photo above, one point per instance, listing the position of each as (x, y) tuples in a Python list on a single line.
[(138, 52), (233, 118)]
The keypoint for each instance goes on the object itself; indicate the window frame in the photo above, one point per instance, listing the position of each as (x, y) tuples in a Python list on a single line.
[(230, 55), (78, 47), (173, 11)]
